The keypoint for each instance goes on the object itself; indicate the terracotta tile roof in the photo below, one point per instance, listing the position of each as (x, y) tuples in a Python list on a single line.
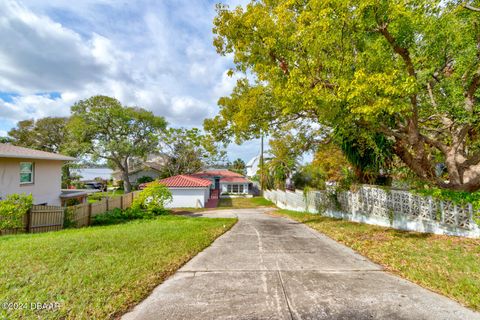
[(234, 179), (11, 151), (224, 174), (185, 181)]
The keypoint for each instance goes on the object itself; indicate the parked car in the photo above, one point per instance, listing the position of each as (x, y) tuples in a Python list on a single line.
[(96, 186)]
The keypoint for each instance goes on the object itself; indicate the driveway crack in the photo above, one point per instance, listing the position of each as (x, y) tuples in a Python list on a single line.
[(285, 294)]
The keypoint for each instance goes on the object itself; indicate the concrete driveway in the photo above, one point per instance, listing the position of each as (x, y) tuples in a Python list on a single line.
[(274, 268)]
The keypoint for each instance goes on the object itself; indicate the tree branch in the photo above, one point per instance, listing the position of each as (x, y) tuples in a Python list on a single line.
[(469, 7), (403, 52)]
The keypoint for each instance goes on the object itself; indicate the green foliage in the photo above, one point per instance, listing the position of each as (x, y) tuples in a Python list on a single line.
[(106, 129), (369, 153), (119, 216), (238, 166), (13, 210), (6, 140), (98, 272), (347, 181), (283, 159), (68, 218), (47, 134), (153, 198), (378, 72), (328, 164), (187, 151), (456, 197), (98, 196), (144, 179), (309, 176)]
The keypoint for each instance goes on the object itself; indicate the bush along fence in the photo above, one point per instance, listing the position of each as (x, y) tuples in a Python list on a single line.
[(52, 218), (397, 209)]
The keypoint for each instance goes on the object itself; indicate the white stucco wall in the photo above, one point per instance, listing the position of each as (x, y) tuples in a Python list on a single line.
[(189, 198), (47, 184)]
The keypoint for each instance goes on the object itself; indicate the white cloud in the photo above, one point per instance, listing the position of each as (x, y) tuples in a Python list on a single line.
[(35, 106), (225, 86), (38, 54), (153, 54)]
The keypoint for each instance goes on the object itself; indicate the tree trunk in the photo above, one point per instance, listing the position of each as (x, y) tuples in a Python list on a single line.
[(127, 186), (461, 177)]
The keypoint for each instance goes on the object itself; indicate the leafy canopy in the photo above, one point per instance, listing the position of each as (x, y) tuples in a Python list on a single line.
[(409, 70), (104, 128), (188, 151)]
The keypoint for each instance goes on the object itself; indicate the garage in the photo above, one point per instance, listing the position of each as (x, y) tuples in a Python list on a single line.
[(187, 191)]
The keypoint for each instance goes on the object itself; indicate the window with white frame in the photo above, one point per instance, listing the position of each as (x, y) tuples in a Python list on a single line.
[(26, 172), (235, 188)]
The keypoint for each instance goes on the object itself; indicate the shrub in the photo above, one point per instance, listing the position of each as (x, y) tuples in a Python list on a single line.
[(13, 210), (118, 216), (119, 184), (153, 198), (144, 179), (69, 218)]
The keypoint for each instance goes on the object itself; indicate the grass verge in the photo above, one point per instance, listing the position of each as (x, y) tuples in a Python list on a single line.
[(447, 265), (244, 202), (97, 272)]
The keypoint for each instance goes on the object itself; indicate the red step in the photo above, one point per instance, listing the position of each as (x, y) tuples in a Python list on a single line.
[(214, 194), (211, 203)]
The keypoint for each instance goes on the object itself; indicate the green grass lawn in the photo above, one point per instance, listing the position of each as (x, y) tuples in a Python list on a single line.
[(98, 272), (447, 265), (97, 196), (244, 202)]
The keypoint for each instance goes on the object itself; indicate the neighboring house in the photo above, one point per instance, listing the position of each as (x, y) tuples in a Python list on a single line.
[(226, 181), (188, 191), (253, 166), (151, 166), (145, 169), (34, 172)]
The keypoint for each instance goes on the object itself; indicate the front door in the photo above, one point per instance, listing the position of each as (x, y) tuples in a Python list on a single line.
[(217, 183)]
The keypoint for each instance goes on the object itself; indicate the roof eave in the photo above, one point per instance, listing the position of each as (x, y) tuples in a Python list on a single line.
[(37, 158)]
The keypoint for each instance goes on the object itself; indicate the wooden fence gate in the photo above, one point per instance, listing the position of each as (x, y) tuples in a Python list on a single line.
[(45, 218)]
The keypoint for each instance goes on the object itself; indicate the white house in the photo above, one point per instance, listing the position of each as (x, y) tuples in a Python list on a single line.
[(188, 191), (253, 166), (146, 169), (151, 167), (29, 171), (226, 182)]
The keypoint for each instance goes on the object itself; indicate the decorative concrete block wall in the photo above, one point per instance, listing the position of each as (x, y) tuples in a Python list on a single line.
[(397, 209)]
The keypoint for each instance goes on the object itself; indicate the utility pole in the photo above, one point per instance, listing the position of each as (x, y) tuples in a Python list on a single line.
[(262, 176)]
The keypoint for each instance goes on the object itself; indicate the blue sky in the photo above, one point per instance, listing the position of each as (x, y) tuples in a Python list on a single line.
[(154, 54)]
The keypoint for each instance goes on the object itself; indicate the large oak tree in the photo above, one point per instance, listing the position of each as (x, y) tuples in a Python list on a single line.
[(106, 129), (408, 69)]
